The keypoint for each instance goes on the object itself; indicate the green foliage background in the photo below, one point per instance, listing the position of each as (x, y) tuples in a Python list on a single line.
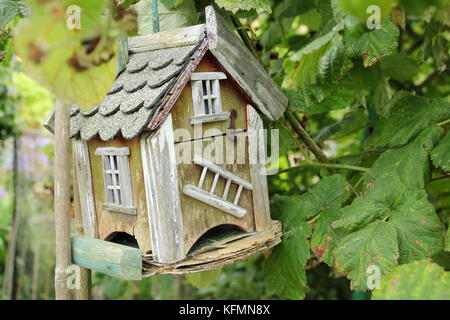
[(369, 183)]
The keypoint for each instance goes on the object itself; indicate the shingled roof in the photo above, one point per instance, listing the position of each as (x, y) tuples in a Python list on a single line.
[(134, 96)]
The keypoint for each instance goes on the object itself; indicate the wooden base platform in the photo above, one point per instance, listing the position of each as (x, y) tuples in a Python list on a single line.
[(217, 254)]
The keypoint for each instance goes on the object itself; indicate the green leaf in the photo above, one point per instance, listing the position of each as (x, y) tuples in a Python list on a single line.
[(324, 238), (420, 232), (441, 154), (172, 4), (399, 67), (372, 45), (332, 63), (323, 97), (284, 270), (295, 8), (393, 173), (329, 192), (407, 118), (170, 17), (376, 245), (420, 280), (78, 66), (9, 9), (447, 240), (203, 279), (235, 5), (358, 8)]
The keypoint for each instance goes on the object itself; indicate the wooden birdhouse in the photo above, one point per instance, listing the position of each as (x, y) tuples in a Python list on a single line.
[(165, 160)]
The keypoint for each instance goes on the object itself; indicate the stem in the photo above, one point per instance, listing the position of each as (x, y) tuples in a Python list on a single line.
[(326, 165), (306, 138), (441, 178), (443, 123), (245, 37)]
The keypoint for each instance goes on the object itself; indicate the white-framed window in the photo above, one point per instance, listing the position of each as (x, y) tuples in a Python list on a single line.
[(117, 178), (206, 97)]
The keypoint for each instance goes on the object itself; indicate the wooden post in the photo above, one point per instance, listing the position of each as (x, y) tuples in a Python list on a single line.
[(62, 200), (84, 292)]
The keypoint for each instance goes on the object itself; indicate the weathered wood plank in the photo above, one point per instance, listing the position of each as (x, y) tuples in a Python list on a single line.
[(84, 180), (214, 201), (162, 193), (167, 39), (107, 257), (207, 118), (84, 292), (257, 151), (112, 151), (243, 67), (197, 76)]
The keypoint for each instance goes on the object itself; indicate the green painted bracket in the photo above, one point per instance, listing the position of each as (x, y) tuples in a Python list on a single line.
[(107, 257)]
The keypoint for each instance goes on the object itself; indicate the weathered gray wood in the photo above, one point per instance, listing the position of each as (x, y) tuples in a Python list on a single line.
[(207, 118), (121, 209), (62, 200), (257, 152), (214, 201), (167, 39), (84, 181), (224, 173), (123, 164), (112, 151), (107, 257), (84, 292), (162, 193), (243, 67), (196, 76)]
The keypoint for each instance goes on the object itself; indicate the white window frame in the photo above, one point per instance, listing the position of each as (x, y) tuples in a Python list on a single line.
[(206, 97), (117, 179)]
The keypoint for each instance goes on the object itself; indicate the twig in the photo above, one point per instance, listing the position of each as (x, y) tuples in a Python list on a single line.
[(443, 123), (326, 165), (306, 138)]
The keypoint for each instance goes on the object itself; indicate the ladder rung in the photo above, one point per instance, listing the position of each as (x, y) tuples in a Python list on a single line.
[(213, 188), (227, 188), (202, 177), (238, 195)]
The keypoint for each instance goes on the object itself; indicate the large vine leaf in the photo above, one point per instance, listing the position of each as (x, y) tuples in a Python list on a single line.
[(236, 5), (407, 118), (324, 238), (372, 45), (399, 67), (285, 268), (441, 154), (419, 229), (420, 280), (393, 173), (78, 66), (375, 245)]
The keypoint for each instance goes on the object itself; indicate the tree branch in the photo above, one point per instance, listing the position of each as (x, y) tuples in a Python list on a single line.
[(306, 138)]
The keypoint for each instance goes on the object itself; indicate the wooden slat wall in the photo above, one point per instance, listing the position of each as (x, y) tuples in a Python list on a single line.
[(163, 195), (84, 180), (257, 151)]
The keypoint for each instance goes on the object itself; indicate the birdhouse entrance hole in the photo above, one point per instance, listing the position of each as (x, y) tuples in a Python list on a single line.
[(123, 238), (216, 234)]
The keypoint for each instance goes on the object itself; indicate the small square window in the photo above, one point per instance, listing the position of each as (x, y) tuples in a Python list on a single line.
[(206, 97), (116, 170)]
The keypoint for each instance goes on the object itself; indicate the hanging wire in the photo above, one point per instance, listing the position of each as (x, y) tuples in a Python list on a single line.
[(155, 16)]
